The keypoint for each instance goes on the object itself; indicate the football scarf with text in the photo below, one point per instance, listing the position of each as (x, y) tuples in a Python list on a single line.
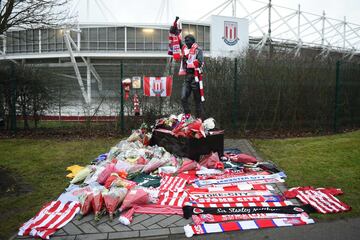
[(205, 228), (190, 210)]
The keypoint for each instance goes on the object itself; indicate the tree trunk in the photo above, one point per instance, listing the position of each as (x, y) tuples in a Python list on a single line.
[(36, 120), (26, 122)]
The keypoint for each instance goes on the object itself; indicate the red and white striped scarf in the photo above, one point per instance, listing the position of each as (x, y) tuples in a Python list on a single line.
[(243, 204), (213, 218), (199, 79), (200, 229), (253, 182), (190, 55), (234, 188), (49, 219), (192, 62), (247, 178), (321, 199), (174, 46), (174, 41), (269, 198), (222, 194), (231, 175)]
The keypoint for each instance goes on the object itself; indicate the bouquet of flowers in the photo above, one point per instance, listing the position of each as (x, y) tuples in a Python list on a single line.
[(85, 200), (97, 203), (82, 174), (133, 198), (188, 165), (113, 198), (110, 168), (157, 162), (124, 183), (116, 181)]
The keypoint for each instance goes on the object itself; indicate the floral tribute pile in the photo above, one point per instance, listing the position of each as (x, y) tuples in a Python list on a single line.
[(228, 193)]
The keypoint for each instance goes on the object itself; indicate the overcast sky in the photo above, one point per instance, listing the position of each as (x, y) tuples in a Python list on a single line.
[(147, 11)]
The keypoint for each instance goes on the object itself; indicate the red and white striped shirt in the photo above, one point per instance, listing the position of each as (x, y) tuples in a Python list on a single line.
[(322, 199), (51, 217), (176, 199), (170, 183)]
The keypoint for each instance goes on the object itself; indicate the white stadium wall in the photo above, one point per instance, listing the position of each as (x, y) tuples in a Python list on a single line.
[(142, 49), (229, 36)]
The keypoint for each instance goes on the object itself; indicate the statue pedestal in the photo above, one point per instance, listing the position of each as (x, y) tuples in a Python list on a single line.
[(189, 147)]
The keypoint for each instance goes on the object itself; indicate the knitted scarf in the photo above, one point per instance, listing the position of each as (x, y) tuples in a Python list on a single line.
[(221, 194), (238, 187), (174, 41), (258, 208), (190, 55), (190, 230), (198, 78), (238, 179), (213, 218), (192, 62), (265, 198), (174, 46)]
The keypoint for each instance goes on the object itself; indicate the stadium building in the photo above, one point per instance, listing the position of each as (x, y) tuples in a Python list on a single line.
[(87, 59), (91, 56)]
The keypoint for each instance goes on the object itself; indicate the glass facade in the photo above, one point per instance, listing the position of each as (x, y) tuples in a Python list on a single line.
[(138, 39)]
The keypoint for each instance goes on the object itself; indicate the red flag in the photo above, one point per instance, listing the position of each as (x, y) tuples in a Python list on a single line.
[(157, 86)]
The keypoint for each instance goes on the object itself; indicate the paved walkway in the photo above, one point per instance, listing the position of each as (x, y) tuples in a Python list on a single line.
[(171, 226)]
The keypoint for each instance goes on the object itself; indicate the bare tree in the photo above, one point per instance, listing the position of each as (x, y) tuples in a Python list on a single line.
[(33, 95), (33, 13)]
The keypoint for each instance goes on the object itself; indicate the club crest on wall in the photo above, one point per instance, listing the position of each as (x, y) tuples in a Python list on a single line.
[(230, 33)]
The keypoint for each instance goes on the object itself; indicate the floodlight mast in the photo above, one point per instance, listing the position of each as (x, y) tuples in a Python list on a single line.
[(270, 26), (309, 31), (234, 8)]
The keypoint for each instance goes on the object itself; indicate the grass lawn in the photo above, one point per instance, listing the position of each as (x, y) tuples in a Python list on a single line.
[(329, 161), (41, 164)]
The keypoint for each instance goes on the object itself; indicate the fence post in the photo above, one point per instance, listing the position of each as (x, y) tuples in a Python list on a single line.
[(13, 98), (122, 127), (236, 96), (337, 88)]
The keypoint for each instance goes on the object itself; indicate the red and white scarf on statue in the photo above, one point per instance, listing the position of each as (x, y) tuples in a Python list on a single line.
[(174, 46), (174, 41), (192, 62)]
